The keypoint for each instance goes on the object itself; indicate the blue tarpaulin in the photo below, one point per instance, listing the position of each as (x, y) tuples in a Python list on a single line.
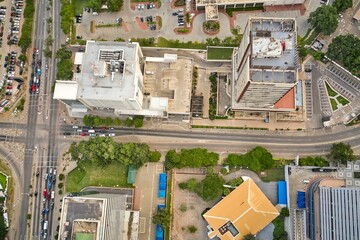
[(282, 199)]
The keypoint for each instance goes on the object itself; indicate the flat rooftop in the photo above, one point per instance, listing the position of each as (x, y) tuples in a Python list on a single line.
[(108, 70), (249, 2), (80, 208), (273, 50), (170, 80)]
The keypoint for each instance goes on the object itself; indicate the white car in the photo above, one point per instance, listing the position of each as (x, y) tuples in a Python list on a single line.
[(111, 134), (75, 127), (102, 135)]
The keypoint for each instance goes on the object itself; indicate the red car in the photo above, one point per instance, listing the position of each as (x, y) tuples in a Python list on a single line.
[(103, 128), (82, 134), (44, 192), (35, 50), (9, 87)]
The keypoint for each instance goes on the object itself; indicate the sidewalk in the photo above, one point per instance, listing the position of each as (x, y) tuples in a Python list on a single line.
[(237, 123)]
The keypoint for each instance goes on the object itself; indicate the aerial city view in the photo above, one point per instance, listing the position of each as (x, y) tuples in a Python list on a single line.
[(180, 119)]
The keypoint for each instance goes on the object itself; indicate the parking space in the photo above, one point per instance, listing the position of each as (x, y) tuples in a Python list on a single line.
[(10, 66), (344, 76), (224, 99), (338, 88), (324, 99)]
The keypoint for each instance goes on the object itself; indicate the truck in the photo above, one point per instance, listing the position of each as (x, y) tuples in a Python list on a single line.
[(162, 185), (159, 232), (52, 194)]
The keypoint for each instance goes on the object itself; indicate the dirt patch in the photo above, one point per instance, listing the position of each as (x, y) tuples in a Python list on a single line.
[(187, 210), (124, 27), (142, 25)]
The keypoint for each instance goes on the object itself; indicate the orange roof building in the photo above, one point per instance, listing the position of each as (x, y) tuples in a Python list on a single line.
[(245, 210)]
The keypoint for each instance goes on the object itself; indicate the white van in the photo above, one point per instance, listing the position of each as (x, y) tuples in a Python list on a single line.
[(95, 14), (91, 131), (46, 225), (52, 194)]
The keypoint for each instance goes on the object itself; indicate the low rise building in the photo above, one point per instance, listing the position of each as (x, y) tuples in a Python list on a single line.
[(246, 210), (98, 217)]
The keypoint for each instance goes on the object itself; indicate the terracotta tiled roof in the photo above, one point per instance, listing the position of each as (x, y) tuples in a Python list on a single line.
[(246, 208)]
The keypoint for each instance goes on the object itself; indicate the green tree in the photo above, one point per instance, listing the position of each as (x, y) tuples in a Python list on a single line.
[(325, 19), (155, 156), (207, 25), (211, 187), (98, 121), (216, 25), (114, 5), (64, 68), (129, 122), (303, 52), (172, 158), (138, 122), (345, 49), (95, 5), (342, 5), (284, 212), (117, 121), (341, 153), (162, 217), (249, 237), (236, 182), (88, 120), (108, 121), (63, 53)]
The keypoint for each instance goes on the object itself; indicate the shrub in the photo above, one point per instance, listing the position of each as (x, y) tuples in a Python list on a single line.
[(60, 185), (192, 229), (155, 156), (183, 207)]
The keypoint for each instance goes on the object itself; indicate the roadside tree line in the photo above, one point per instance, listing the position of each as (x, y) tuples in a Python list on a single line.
[(91, 120), (103, 151), (26, 30)]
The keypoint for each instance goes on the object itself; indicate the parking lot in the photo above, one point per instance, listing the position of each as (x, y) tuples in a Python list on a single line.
[(324, 99), (11, 68), (147, 179)]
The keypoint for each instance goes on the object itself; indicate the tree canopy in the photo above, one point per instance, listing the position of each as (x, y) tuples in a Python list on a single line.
[(210, 188), (162, 217), (325, 19), (342, 5), (313, 161), (345, 49), (102, 151), (196, 157), (341, 153), (258, 159)]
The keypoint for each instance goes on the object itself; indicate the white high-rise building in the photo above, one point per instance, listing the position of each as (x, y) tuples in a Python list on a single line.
[(265, 66)]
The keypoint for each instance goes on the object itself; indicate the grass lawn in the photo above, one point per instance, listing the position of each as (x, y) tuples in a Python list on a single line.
[(230, 11), (342, 100), (163, 42), (219, 53), (79, 5), (3, 180), (274, 175), (87, 174), (330, 91), (308, 39), (333, 104)]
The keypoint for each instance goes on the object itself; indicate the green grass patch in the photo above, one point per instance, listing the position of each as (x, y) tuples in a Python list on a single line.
[(330, 91), (333, 104), (230, 11), (3, 180), (273, 175), (87, 174), (182, 30), (163, 42), (179, 3), (309, 38), (159, 20), (108, 25), (169, 202), (219, 53), (227, 127), (342, 100)]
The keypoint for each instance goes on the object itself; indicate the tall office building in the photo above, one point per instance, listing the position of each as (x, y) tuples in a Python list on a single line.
[(265, 65)]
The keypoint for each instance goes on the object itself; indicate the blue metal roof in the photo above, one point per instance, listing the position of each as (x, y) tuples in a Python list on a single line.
[(282, 199)]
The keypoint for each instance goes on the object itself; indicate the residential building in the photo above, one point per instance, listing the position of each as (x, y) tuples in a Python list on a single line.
[(265, 66), (246, 210)]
